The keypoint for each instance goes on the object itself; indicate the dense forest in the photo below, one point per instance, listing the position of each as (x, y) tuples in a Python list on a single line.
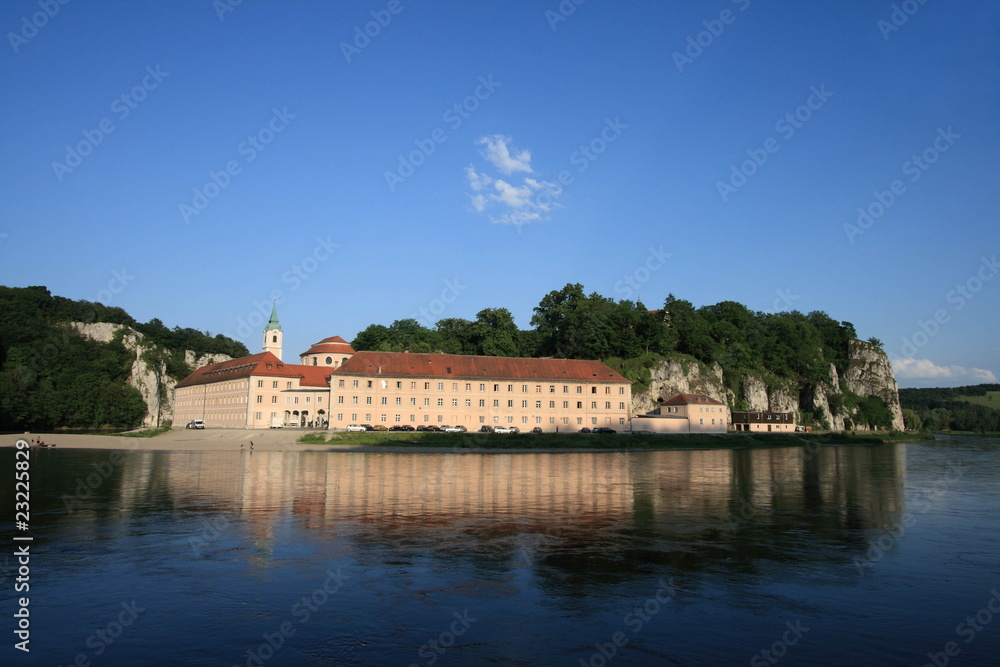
[(50, 376), (941, 408), (631, 338)]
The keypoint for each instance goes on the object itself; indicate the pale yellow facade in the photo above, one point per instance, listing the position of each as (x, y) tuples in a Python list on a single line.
[(473, 403)]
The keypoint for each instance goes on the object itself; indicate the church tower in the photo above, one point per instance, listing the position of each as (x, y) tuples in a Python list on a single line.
[(272, 334)]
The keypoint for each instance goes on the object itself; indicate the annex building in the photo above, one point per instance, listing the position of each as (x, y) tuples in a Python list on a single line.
[(334, 386), (685, 413)]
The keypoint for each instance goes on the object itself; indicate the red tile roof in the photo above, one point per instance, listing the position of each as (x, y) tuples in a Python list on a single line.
[(332, 345), (688, 399), (406, 364), (262, 363)]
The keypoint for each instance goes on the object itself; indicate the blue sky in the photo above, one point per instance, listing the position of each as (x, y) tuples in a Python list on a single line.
[(190, 160)]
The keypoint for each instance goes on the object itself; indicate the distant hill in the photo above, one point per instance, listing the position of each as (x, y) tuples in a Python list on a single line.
[(970, 408), (67, 363)]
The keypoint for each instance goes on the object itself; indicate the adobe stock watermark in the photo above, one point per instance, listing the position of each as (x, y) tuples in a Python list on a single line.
[(30, 25), (300, 272), (101, 640), (454, 116), (381, 18), (301, 611), (960, 295), (922, 502), (914, 168), (449, 294), (248, 149), (696, 44), (121, 107), (543, 201), (631, 282), (438, 646), (779, 649), (635, 620), (786, 126), (900, 14), (968, 629), (565, 9)]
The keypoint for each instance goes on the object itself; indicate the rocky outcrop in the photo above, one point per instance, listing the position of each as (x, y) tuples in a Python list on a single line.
[(148, 374), (867, 373)]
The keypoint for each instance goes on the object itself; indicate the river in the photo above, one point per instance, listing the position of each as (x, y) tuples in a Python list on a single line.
[(841, 556)]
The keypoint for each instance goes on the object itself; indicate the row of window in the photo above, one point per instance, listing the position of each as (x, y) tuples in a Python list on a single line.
[(384, 384), (397, 418), (384, 400)]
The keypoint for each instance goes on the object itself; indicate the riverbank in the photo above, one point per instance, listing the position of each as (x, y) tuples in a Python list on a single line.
[(408, 441)]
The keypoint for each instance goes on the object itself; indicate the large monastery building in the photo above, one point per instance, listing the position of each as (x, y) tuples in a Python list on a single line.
[(334, 386)]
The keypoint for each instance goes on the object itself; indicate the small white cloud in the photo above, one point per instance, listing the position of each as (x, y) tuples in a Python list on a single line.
[(497, 151), (925, 369), (477, 181)]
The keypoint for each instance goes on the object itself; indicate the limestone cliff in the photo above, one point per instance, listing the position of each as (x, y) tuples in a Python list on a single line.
[(867, 373), (148, 374)]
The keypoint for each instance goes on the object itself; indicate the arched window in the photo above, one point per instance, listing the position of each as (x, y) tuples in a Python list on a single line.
[(329, 360), (344, 360), (314, 361), (274, 338)]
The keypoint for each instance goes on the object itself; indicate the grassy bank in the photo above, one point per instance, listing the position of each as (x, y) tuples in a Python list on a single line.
[(556, 441), (145, 433)]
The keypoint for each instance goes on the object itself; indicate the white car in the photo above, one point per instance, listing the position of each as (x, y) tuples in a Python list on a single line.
[(196, 423), (355, 428), (503, 429), (452, 429)]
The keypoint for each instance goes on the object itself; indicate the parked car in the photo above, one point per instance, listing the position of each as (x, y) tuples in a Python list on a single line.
[(396, 427), (367, 427), (379, 427), (485, 428), (502, 429), (406, 427), (604, 429), (452, 429), (461, 429), (585, 430), (354, 428), (514, 429), (195, 423), (422, 428), (432, 427), (537, 429)]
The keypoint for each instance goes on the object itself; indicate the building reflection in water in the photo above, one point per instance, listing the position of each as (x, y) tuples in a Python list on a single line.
[(687, 509)]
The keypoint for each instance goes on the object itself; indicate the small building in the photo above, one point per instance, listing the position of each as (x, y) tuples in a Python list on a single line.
[(685, 413), (766, 422)]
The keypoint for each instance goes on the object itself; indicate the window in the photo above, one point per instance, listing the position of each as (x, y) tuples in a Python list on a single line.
[(427, 402), (565, 420), (382, 418), (288, 400), (593, 420), (260, 399), (288, 385), (440, 403), (274, 385), (399, 385), (482, 402), (510, 387), (579, 421), (368, 400), (524, 420), (565, 388), (368, 416), (354, 400), (413, 401), (621, 406), (538, 404), (397, 419), (340, 400), (274, 399), (307, 399), (579, 389), (621, 421), (524, 388), (579, 405), (565, 404), (440, 386), (260, 384), (524, 404), (496, 403), (384, 384), (538, 388), (593, 405), (440, 418), (468, 402), (454, 385), (552, 404), (482, 386), (510, 420), (607, 405), (413, 418), (368, 383), (468, 386), (427, 418), (482, 419), (354, 383), (340, 384), (607, 390), (340, 416), (427, 385), (621, 390), (454, 402), (413, 385), (538, 420), (701, 421), (354, 416), (510, 404), (399, 401), (593, 390), (552, 389), (496, 420), (256, 415)]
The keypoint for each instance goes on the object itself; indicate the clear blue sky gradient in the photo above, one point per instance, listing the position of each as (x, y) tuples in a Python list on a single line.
[(776, 242)]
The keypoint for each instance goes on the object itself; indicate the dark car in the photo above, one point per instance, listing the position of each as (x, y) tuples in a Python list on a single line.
[(395, 427), (367, 427), (422, 428), (485, 428), (432, 427), (407, 427), (585, 430), (604, 429), (537, 429)]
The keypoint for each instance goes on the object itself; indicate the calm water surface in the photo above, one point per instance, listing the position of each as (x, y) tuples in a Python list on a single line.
[(844, 556)]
